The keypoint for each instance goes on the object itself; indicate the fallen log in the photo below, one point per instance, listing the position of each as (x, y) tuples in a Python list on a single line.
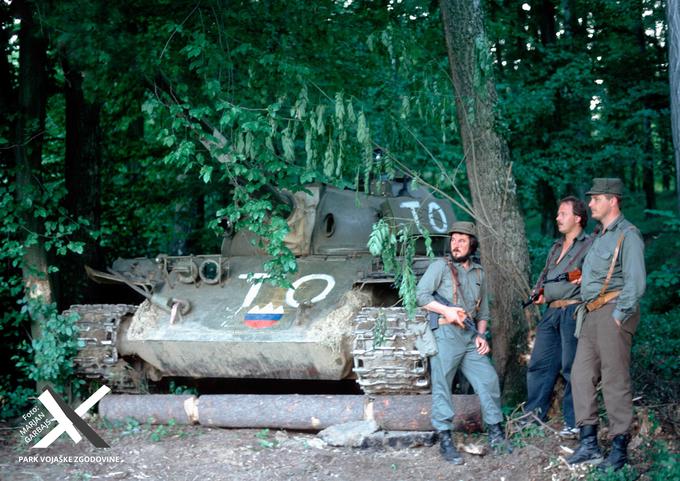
[(290, 411)]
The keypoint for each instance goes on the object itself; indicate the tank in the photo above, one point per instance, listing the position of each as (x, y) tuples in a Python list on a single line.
[(206, 316)]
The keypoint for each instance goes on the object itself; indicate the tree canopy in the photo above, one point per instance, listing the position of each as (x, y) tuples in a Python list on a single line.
[(134, 128)]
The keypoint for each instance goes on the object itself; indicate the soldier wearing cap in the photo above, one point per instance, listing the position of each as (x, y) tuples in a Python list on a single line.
[(612, 283), (460, 286)]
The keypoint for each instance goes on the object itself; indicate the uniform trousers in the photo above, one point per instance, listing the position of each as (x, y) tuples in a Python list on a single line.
[(554, 350), (603, 354), (456, 349)]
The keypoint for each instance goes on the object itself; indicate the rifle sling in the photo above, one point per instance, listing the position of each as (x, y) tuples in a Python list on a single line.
[(456, 286), (612, 264)]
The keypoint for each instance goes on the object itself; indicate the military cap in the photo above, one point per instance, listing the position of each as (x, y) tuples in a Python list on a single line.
[(609, 185), (462, 227)]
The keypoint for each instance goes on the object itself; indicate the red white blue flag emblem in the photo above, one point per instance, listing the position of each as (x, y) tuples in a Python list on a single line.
[(267, 316)]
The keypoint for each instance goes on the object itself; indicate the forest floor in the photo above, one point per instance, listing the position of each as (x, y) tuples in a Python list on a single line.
[(188, 453)]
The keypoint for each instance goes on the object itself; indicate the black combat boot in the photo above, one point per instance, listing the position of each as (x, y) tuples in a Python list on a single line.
[(588, 451), (618, 456), (447, 449), (497, 441)]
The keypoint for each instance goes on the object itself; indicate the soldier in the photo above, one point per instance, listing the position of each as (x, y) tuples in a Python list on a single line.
[(612, 283), (555, 344), (459, 284)]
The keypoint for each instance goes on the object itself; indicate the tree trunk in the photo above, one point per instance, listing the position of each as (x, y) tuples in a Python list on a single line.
[(8, 93), (82, 176), (646, 127), (548, 205), (546, 22), (500, 226), (673, 15), (30, 128)]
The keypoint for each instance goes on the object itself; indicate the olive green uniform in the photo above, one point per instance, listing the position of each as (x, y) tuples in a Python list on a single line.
[(555, 345), (456, 347), (572, 259), (603, 351)]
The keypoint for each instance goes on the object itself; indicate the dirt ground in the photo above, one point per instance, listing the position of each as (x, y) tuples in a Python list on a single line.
[(187, 453)]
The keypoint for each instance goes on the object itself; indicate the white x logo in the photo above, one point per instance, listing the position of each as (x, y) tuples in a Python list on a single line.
[(65, 424)]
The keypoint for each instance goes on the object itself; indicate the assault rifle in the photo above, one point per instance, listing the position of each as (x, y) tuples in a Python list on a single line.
[(433, 317), (565, 276), (533, 297)]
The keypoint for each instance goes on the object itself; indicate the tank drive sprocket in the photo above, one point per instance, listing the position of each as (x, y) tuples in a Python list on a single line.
[(97, 359), (385, 357)]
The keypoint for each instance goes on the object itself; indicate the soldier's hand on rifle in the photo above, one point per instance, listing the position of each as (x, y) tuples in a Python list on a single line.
[(482, 345), (540, 299)]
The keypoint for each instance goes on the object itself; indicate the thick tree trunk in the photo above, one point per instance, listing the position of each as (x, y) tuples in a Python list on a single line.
[(501, 228), (83, 184), (673, 15), (30, 127)]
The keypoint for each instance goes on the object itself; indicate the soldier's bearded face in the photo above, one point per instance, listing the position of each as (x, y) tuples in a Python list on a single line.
[(460, 247)]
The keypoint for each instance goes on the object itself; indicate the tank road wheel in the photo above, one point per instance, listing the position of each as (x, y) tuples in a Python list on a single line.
[(385, 357), (97, 357)]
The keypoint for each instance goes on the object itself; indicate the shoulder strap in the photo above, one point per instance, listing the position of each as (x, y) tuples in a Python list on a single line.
[(548, 261), (456, 286), (613, 262), (454, 279), (586, 244)]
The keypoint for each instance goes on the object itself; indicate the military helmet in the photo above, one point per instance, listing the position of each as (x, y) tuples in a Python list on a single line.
[(463, 227)]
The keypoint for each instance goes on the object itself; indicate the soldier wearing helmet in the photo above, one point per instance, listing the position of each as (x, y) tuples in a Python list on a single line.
[(454, 288)]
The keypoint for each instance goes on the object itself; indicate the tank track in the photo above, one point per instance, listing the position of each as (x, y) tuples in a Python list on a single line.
[(97, 358), (385, 358)]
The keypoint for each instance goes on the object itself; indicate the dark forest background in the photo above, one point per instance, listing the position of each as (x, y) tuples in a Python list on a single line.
[(125, 124)]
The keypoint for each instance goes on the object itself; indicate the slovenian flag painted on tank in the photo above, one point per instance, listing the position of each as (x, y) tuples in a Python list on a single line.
[(259, 317)]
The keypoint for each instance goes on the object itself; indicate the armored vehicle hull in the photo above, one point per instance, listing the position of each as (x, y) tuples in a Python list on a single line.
[(213, 317)]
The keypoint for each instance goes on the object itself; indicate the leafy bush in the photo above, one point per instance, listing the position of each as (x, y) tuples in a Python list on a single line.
[(655, 366), (14, 399), (663, 277)]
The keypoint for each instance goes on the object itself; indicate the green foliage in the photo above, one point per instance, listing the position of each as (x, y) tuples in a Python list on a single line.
[(14, 398), (50, 356), (661, 464), (173, 388), (396, 247), (575, 101), (263, 439), (656, 366), (203, 107), (664, 463), (663, 278), (163, 431)]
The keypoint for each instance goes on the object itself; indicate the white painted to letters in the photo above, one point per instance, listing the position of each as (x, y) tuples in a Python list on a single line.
[(290, 293), (413, 206), (434, 207), (330, 283), (254, 288)]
